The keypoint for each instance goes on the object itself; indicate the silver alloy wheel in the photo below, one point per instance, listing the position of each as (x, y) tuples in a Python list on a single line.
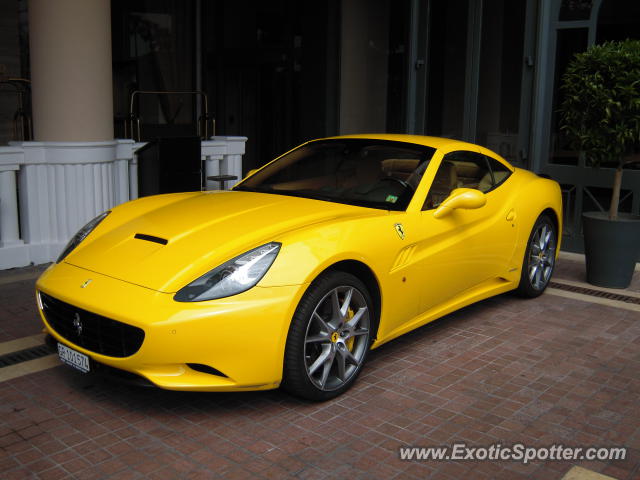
[(542, 256), (337, 338)]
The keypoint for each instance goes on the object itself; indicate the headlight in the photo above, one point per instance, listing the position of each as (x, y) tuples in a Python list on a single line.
[(235, 276), (81, 235)]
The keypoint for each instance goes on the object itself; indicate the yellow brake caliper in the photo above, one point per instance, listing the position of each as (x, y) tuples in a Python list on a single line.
[(350, 341)]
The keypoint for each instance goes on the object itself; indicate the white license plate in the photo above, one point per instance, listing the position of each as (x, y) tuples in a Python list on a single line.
[(73, 358)]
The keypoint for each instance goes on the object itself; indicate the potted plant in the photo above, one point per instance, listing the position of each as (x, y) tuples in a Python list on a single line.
[(600, 115)]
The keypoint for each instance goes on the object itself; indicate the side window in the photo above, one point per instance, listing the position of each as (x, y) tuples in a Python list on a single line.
[(498, 174), (460, 169)]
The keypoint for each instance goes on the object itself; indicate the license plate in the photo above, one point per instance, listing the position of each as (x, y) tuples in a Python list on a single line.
[(73, 358)]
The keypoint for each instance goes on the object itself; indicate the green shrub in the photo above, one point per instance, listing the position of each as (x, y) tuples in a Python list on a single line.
[(600, 112)]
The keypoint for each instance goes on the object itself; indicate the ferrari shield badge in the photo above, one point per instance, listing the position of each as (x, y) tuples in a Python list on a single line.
[(399, 230)]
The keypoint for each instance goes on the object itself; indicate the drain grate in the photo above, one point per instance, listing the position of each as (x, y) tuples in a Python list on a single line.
[(25, 355), (595, 293)]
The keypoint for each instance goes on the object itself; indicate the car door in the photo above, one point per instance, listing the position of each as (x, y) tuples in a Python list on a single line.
[(467, 247)]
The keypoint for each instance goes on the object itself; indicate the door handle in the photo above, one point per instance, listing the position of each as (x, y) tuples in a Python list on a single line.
[(511, 215)]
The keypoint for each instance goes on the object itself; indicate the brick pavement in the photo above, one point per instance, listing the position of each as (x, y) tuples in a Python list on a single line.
[(550, 370), (18, 312)]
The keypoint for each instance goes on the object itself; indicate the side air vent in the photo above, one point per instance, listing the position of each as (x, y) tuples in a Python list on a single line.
[(199, 367), (151, 238)]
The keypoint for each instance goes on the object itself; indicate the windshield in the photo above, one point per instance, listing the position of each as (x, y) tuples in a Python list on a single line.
[(369, 173)]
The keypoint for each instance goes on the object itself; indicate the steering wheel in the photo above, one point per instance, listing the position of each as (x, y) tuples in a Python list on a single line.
[(397, 180)]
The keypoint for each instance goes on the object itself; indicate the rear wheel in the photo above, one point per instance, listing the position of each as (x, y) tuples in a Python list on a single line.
[(329, 337), (540, 258)]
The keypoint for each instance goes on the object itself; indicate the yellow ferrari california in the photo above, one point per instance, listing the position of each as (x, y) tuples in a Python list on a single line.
[(289, 279)]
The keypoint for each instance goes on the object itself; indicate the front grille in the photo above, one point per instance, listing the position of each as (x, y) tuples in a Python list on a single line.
[(91, 331)]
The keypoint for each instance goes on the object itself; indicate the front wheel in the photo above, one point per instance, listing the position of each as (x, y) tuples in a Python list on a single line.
[(539, 259), (329, 337)]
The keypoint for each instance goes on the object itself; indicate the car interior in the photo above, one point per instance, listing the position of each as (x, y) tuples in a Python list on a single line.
[(382, 175), (464, 170), (379, 174)]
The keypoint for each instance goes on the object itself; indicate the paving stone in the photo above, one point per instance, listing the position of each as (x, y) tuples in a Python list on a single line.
[(549, 370)]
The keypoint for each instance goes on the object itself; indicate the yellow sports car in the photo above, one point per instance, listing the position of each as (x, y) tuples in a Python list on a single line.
[(336, 247)]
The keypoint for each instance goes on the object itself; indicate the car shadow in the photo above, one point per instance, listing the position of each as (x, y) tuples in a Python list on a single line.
[(105, 390)]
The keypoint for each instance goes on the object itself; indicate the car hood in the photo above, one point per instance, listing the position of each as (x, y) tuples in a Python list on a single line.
[(201, 230)]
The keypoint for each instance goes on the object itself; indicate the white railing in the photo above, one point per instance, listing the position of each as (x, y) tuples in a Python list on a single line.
[(11, 158), (48, 190)]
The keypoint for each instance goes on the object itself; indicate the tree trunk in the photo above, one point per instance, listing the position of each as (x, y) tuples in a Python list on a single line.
[(615, 195)]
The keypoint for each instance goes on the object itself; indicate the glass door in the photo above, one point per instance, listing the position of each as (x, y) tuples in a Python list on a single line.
[(446, 68), (154, 51), (479, 73), (503, 72)]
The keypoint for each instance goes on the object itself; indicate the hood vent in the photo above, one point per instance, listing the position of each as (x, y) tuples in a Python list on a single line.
[(151, 238)]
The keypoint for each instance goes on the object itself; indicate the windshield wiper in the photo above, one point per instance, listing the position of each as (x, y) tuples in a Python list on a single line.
[(312, 194)]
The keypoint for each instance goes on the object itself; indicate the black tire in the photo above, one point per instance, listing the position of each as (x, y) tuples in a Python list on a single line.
[(539, 261), (322, 339)]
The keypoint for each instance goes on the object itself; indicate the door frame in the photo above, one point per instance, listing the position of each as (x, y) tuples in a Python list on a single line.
[(419, 63)]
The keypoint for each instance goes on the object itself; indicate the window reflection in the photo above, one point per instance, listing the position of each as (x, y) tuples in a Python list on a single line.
[(447, 65), (570, 42), (575, 10), (501, 61)]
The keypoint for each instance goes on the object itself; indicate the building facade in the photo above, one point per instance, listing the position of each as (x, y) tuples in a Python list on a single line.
[(284, 71)]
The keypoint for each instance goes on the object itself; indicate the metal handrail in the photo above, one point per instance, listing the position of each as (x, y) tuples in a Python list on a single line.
[(22, 127), (203, 120)]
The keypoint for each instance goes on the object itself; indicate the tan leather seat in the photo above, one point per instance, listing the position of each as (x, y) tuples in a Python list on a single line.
[(468, 173), (486, 184), (400, 168)]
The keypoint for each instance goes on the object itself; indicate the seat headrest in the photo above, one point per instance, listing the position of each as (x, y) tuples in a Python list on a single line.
[(399, 165), (467, 169)]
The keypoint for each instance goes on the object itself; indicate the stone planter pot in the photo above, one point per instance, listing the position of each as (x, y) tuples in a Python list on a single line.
[(611, 248)]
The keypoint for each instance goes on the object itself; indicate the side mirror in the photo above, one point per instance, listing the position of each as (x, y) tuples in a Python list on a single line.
[(251, 172), (467, 198)]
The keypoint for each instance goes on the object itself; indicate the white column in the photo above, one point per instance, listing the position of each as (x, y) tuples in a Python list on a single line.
[(71, 73), (127, 184), (231, 164), (9, 230), (13, 252), (133, 177), (70, 173), (212, 168), (121, 181)]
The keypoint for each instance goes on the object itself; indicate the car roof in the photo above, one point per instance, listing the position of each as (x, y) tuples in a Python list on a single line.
[(435, 142), (440, 143)]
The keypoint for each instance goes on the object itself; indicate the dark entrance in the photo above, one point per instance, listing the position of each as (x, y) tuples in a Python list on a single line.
[(272, 68), (169, 165), (154, 49), (269, 69)]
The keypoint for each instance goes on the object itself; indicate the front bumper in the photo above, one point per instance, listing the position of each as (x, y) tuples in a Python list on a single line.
[(242, 336)]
